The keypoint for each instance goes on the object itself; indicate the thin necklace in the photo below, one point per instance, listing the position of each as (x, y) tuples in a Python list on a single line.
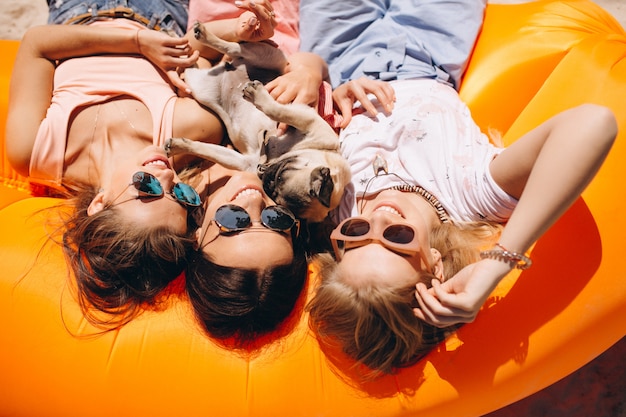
[(380, 164), (125, 116), (93, 136), (95, 125)]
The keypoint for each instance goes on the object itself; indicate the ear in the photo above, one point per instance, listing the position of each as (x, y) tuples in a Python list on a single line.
[(437, 268), (198, 236), (97, 204), (321, 185)]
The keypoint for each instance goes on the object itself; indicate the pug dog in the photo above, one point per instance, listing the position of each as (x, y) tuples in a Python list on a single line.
[(301, 168)]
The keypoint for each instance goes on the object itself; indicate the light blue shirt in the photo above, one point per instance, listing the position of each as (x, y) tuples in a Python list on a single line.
[(392, 39)]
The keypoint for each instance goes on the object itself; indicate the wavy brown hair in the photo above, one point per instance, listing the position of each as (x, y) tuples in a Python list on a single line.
[(119, 267), (375, 324)]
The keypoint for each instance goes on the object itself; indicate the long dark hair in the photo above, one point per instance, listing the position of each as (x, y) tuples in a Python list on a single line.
[(119, 267), (244, 304)]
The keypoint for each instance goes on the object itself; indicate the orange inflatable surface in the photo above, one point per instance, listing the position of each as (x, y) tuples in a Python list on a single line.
[(532, 60)]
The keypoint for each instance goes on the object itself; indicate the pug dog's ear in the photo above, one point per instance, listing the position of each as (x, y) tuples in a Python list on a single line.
[(322, 185)]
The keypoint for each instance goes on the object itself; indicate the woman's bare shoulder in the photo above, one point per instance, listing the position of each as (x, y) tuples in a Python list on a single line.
[(196, 122)]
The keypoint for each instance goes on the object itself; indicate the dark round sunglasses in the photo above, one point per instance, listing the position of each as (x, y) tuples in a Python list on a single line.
[(232, 218), (149, 186)]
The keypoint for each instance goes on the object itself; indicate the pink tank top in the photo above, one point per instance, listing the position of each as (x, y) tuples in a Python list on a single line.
[(87, 81)]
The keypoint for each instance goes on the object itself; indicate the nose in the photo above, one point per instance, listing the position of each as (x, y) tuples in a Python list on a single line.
[(256, 224), (254, 207), (380, 219), (167, 178)]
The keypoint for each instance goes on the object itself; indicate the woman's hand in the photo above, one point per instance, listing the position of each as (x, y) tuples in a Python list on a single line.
[(172, 55), (257, 23), (300, 82), (295, 87), (164, 51), (459, 299), (348, 93)]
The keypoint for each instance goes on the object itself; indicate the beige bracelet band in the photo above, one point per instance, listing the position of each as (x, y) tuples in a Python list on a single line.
[(137, 41), (519, 260)]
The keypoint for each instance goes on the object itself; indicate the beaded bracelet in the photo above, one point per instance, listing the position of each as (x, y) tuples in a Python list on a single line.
[(520, 260)]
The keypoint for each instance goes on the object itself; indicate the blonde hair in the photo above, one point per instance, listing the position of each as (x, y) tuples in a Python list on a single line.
[(375, 324)]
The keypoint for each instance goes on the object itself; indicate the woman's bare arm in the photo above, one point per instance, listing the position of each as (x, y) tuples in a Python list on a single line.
[(30, 90), (548, 169)]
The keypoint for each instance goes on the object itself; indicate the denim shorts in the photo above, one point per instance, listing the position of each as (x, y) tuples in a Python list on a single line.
[(165, 15)]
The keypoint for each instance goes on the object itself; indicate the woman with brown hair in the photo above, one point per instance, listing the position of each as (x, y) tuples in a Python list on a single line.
[(93, 99)]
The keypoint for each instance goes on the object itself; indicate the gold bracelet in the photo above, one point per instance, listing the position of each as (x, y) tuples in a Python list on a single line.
[(518, 260)]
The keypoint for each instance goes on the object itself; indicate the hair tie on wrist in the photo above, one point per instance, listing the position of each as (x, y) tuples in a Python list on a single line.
[(137, 41), (518, 260)]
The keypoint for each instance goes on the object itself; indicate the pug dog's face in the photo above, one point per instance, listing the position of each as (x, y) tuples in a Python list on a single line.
[(310, 184)]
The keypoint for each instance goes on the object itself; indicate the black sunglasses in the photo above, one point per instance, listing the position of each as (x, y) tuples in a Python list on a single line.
[(232, 218)]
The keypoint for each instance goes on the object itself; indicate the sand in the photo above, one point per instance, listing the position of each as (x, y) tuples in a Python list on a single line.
[(596, 390), (19, 15)]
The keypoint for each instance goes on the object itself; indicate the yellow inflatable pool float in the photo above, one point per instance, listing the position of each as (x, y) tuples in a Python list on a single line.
[(532, 60)]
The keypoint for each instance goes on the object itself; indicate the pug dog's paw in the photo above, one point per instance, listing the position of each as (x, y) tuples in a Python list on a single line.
[(198, 32), (251, 90), (175, 146)]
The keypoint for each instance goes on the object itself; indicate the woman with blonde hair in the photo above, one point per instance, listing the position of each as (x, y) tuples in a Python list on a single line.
[(436, 214)]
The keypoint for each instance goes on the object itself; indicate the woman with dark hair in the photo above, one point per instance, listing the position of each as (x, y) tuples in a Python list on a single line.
[(92, 100), (250, 266), (120, 265)]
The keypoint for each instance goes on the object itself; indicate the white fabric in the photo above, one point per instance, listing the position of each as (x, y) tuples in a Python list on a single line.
[(431, 140)]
